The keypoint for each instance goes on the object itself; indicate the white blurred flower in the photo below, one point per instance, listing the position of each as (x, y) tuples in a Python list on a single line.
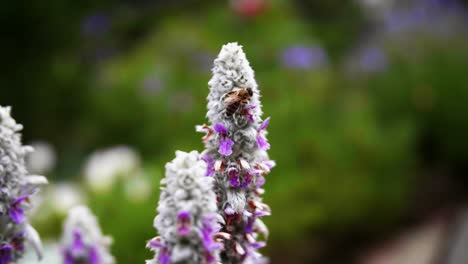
[(63, 196), (104, 167), (138, 188), (43, 159)]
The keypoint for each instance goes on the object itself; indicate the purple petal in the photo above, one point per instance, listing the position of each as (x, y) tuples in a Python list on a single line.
[(228, 210), (221, 129), (6, 254), (183, 215), (68, 258), (19, 200), (234, 177), (209, 165), (183, 230), (264, 125), (93, 256), (164, 257), (154, 243), (247, 179), (261, 213), (270, 163), (78, 244), (249, 226), (262, 142), (258, 245), (16, 214), (260, 181), (225, 146)]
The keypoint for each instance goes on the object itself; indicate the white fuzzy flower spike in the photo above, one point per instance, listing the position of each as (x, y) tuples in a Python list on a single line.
[(235, 154), (187, 220), (16, 189), (82, 239)]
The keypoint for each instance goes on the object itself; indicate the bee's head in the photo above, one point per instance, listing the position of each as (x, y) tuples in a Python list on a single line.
[(249, 91)]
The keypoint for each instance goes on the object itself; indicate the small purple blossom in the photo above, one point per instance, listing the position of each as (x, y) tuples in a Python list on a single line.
[(373, 59), (151, 85), (78, 244), (228, 210), (16, 212), (247, 112), (6, 254), (164, 257), (225, 143), (156, 243), (95, 25), (209, 164), (247, 178), (261, 139), (303, 57), (93, 256), (233, 175), (183, 227), (208, 230), (260, 181)]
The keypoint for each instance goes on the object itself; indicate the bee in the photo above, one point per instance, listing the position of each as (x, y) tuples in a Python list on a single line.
[(237, 99)]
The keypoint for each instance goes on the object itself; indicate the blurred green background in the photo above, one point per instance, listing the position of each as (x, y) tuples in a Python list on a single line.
[(368, 102)]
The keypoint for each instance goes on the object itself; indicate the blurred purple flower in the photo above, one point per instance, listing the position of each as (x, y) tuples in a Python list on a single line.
[(181, 102), (151, 85), (95, 25), (203, 60), (303, 57), (373, 59)]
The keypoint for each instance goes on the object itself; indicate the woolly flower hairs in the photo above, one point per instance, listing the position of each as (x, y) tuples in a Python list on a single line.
[(82, 239), (187, 219), (16, 188), (235, 154)]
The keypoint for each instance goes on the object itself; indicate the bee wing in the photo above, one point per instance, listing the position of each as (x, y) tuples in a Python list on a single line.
[(231, 100)]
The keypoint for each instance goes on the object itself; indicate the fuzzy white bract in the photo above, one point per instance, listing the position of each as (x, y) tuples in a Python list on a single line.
[(187, 221), (16, 188), (82, 239)]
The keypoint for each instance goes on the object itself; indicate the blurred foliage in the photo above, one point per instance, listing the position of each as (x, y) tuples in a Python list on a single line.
[(348, 145)]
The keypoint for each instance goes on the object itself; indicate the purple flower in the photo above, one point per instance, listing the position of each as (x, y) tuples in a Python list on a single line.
[(151, 85), (260, 181), (233, 175), (303, 57), (248, 113), (247, 178), (373, 60), (258, 245), (156, 243), (228, 210), (225, 143), (93, 256), (209, 164), (78, 244), (183, 227), (16, 212), (261, 139), (164, 257), (95, 25), (207, 232), (6, 254)]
